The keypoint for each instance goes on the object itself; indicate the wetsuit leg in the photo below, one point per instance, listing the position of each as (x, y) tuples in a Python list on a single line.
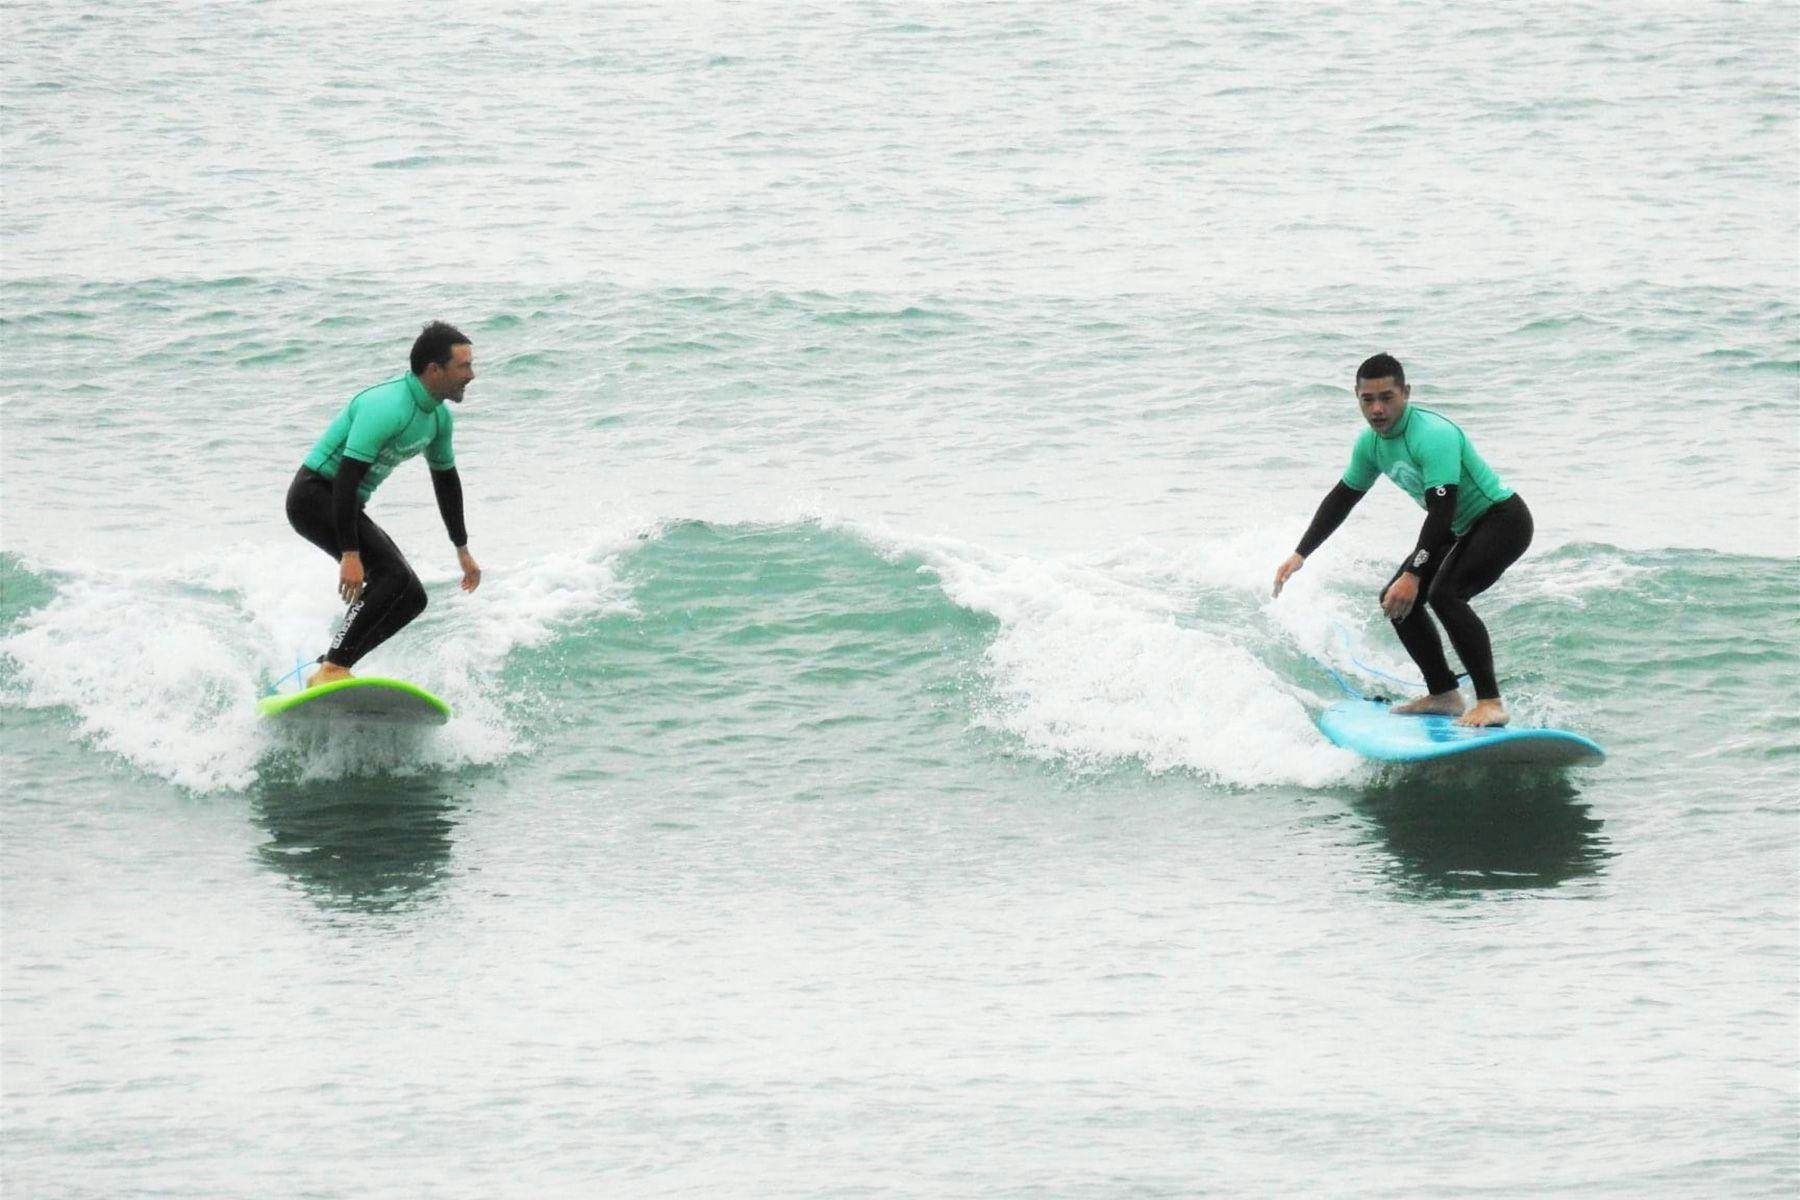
[(392, 594), (1479, 557), (1418, 633)]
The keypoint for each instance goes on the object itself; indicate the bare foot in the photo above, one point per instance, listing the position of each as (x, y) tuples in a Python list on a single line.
[(1440, 704), (328, 673), (1485, 713)]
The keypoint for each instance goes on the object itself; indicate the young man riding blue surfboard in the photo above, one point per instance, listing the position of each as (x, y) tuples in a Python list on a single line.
[(380, 428), (1475, 528)]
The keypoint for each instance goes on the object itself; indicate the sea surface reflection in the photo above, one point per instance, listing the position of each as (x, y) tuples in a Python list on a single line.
[(1449, 829)]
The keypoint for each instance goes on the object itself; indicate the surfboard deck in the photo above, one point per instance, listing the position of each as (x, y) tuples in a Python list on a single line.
[(366, 698), (1370, 729)]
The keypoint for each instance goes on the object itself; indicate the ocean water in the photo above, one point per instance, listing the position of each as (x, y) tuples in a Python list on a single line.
[(879, 767)]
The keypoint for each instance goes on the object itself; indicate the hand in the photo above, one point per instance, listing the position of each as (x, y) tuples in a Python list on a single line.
[(1400, 597), (1286, 570), (350, 577), (471, 573)]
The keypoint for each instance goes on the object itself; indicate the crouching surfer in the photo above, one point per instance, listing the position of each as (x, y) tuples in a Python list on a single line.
[(380, 428), (1474, 529)]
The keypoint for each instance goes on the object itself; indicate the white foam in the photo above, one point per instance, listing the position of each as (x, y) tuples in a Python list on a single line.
[(1601, 570), (1096, 664), (160, 674), (1328, 610), (1159, 657), (164, 670)]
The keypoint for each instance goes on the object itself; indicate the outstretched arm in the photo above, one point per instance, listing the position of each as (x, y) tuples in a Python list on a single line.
[(1332, 510), (1331, 513)]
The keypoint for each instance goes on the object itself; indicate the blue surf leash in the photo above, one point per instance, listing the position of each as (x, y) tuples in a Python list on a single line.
[(1344, 683), (276, 686), (1359, 664)]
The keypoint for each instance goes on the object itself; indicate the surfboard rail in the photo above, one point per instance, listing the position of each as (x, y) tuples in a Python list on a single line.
[(362, 698), (1371, 729)]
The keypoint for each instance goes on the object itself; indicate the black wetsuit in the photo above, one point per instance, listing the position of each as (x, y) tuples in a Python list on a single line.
[(1451, 571), (328, 514), (1470, 567)]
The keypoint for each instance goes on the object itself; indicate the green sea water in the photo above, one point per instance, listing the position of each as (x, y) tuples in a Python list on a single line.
[(879, 767)]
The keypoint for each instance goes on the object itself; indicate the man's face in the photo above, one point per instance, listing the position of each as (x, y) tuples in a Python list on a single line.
[(447, 381), (1383, 402)]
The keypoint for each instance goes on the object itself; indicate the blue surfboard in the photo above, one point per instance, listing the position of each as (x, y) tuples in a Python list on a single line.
[(1371, 729)]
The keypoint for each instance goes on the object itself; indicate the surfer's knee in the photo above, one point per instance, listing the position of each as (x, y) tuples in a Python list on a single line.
[(1442, 594), (1450, 609), (414, 594)]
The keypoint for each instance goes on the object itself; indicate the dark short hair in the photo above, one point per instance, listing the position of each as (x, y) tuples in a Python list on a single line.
[(1380, 366), (433, 345)]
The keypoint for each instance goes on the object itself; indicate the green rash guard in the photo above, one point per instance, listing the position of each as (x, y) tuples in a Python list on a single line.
[(1425, 451), (384, 426)]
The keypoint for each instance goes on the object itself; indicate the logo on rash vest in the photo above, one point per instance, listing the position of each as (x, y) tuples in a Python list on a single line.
[(395, 453), (1407, 477), (415, 437)]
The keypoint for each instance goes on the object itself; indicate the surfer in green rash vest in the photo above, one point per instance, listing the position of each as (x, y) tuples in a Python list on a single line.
[(380, 428), (1475, 528)]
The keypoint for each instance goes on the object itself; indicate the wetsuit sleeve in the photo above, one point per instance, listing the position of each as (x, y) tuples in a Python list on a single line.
[(1363, 470), (1332, 510), (438, 454), (448, 486), (1435, 537), (346, 505)]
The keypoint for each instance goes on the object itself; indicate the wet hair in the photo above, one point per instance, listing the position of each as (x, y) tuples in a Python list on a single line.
[(433, 345), (1380, 366)]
